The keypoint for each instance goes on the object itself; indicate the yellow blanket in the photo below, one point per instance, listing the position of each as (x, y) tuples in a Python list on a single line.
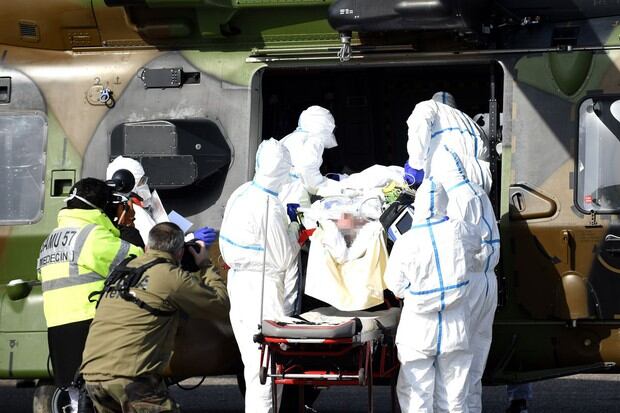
[(357, 283)]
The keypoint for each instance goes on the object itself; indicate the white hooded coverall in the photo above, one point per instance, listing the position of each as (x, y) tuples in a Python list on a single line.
[(314, 134), (433, 124), (144, 221), (243, 241), (469, 202), (429, 267)]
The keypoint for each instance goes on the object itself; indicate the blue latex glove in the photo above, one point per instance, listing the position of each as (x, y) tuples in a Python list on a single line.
[(333, 176), (206, 235), (291, 211), (413, 177)]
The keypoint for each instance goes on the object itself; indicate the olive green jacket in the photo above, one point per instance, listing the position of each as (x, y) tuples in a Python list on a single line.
[(128, 341)]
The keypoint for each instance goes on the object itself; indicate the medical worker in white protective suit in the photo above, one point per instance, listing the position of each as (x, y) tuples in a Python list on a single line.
[(430, 268), (467, 201), (144, 219), (437, 122), (314, 134), (255, 223)]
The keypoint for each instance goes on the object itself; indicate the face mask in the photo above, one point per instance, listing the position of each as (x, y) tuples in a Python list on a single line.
[(74, 195), (109, 210), (144, 192)]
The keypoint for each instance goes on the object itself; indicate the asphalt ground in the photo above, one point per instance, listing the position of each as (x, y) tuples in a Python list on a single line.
[(574, 394)]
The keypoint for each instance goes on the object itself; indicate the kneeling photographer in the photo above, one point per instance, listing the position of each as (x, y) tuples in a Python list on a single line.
[(131, 338)]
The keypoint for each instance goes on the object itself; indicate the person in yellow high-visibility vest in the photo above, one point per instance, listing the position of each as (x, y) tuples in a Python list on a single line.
[(74, 261)]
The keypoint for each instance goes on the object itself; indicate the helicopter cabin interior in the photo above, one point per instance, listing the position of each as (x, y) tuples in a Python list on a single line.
[(371, 106)]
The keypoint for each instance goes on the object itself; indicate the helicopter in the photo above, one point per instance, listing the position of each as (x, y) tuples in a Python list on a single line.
[(191, 87)]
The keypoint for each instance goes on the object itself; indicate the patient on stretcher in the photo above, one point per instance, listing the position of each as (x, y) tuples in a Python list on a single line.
[(346, 259)]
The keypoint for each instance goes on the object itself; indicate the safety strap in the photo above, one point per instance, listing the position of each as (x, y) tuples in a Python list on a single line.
[(122, 278)]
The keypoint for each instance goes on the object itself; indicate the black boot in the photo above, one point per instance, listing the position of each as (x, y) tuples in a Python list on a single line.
[(517, 406), (85, 404)]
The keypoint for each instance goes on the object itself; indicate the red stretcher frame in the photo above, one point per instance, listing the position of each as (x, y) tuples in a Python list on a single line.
[(384, 367)]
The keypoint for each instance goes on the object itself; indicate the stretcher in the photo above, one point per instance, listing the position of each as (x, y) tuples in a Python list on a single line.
[(329, 347), (326, 347)]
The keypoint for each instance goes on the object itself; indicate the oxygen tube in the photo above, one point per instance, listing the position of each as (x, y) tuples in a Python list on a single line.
[(262, 287)]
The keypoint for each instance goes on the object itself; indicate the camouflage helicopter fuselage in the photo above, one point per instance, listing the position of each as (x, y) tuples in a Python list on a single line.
[(559, 268)]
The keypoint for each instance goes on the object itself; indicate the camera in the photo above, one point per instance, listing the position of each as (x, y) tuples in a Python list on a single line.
[(122, 181), (121, 184), (187, 262)]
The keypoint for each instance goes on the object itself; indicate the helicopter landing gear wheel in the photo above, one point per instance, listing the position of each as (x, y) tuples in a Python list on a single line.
[(50, 399)]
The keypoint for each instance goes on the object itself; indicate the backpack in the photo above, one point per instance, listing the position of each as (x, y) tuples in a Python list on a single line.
[(122, 278)]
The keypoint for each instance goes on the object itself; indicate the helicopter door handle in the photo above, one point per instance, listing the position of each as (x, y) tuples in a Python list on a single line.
[(518, 200), (567, 240)]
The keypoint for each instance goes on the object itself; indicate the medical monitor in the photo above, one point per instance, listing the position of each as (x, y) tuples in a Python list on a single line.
[(401, 224)]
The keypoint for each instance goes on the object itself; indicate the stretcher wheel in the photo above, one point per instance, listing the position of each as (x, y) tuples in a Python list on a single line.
[(262, 375)]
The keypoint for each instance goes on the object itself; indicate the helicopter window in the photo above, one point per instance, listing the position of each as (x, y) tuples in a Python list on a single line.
[(598, 169), (22, 166)]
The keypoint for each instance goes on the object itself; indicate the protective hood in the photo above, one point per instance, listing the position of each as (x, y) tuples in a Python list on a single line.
[(319, 123), (445, 98), (121, 162), (273, 163), (431, 200), (447, 167), (133, 166)]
